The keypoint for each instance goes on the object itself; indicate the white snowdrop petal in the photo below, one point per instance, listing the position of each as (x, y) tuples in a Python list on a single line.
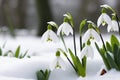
[(58, 61), (59, 30), (71, 30), (53, 36), (84, 51), (100, 19), (107, 19), (109, 28), (65, 28), (115, 25), (49, 34), (45, 36), (53, 64), (87, 51), (62, 63), (95, 35), (90, 52), (86, 36)]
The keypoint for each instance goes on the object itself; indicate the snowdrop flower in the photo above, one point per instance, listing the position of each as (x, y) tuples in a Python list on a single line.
[(49, 35), (113, 26), (65, 28), (91, 34), (87, 51), (103, 19), (58, 62)]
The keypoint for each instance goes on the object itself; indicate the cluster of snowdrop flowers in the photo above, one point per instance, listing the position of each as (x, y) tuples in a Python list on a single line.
[(113, 25), (67, 28), (90, 34), (50, 36), (79, 60)]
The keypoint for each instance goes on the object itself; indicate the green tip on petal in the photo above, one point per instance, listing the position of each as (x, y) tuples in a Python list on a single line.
[(58, 53), (49, 27), (88, 42)]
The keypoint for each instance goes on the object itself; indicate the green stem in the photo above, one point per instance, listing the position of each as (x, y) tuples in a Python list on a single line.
[(118, 23), (74, 41), (61, 36), (72, 64), (103, 42), (80, 42), (68, 59)]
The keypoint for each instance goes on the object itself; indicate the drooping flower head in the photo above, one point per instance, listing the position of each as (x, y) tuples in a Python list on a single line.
[(87, 51), (103, 19), (90, 34), (49, 35), (65, 28), (58, 62), (114, 25)]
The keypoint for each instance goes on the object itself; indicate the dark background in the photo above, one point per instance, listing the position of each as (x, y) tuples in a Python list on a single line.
[(34, 14)]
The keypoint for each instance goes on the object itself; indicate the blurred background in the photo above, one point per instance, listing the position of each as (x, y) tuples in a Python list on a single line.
[(22, 17)]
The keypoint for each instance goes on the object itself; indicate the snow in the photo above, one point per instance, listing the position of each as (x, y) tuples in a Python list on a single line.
[(42, 54)]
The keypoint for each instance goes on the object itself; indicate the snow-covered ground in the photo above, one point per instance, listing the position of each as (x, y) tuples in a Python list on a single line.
[(42, 54)]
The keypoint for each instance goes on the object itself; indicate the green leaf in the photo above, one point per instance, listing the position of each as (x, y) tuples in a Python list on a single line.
[(114, 40), (47, 74), (111, 62), (109, 47), (73, 57), (80, 68), (43, 75), (40, 75), (22, 56), (115, 52), (117, 55), (102, 53), (17, 52), (84, 62), (100, 50), (118, 58), (78, 64), (82, 24)]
